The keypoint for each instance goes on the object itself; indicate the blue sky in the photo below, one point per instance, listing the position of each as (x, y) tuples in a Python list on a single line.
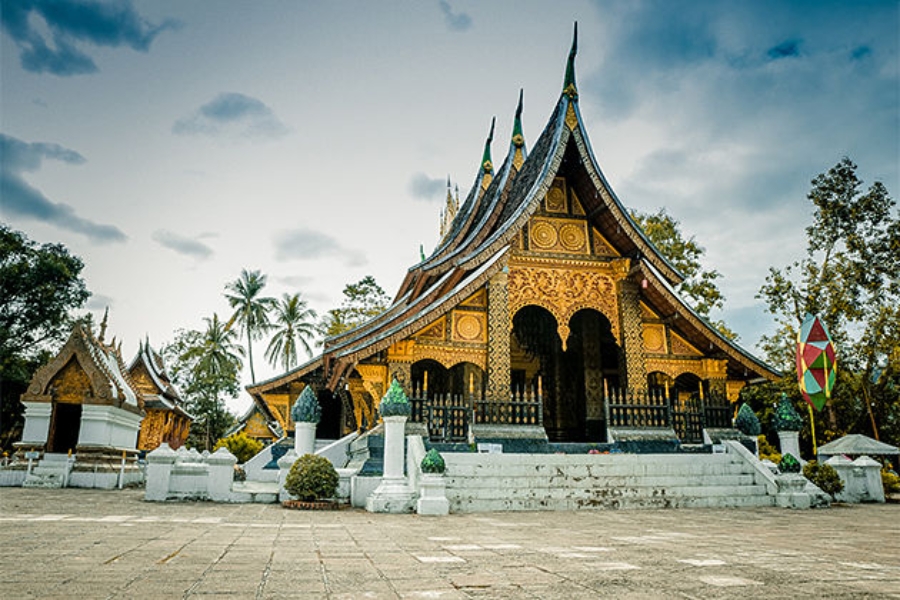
[(171, 144)]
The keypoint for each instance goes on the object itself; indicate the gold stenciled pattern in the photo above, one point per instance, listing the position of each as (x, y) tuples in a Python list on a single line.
[(563, 292)]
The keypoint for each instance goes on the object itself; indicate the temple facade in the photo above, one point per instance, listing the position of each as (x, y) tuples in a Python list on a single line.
[(544, 309), (166, 419)]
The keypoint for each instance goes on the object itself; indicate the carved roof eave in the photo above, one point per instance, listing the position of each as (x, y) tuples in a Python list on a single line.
[(163, 385), (504, 233), (712, 335), (416, 320), (466, 213), (276, 382), (499, 191), (618, 210), (166, 405), (105, 384), (367, 329)]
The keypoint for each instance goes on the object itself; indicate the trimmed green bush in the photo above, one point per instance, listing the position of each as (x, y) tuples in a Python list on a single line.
[(241, 445), (825, 477), (312, 478), (767, 450), (890, 481), (747, 421)]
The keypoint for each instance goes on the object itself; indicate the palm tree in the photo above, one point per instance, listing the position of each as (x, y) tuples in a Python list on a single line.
[(295, 324), (215, 359), (251, 312)]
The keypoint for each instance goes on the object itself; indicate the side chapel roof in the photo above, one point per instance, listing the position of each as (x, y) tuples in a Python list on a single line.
[(497, 207), (109, 379), (164, 394)]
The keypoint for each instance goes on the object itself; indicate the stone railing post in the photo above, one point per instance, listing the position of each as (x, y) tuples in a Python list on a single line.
[(306, 413), (159, 469), (393, 495), (220, 474), (284, 467), (789, 442)]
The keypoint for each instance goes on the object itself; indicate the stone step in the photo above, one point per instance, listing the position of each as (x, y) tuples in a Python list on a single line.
[(43, 481), (648, 469), (468, 505), (598, 482), (702, 491)]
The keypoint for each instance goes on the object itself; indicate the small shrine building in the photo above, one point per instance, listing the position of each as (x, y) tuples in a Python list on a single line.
[(543, 311), (166, 419), (83, 401)]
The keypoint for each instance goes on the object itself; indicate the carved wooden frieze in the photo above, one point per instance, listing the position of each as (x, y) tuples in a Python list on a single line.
[(673, 367), (563, 292), (469, 326)]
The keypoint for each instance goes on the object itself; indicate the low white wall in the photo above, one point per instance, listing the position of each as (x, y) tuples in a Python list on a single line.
[(188, 475)]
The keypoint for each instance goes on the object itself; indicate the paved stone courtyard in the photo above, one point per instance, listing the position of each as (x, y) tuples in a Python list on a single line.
[(110, 544)]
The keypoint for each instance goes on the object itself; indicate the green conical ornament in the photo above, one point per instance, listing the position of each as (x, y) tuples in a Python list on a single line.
[(747, 421), (786, 417), (306, 409), (433, 462), (395, 403)]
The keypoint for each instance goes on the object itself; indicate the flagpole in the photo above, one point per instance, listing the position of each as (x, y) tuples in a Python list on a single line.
[(812, 427)]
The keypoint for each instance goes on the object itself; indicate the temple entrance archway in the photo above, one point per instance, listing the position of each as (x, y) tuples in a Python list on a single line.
[(572, 380), (65, 426)]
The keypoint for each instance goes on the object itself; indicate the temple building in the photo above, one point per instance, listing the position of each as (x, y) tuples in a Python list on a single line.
[(166, 419), (544, 311), (82, 400)]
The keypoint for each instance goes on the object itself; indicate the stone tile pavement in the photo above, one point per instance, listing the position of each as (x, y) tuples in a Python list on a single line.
[(110, 544)]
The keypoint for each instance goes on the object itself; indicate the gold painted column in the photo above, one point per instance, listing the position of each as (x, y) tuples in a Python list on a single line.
[(635, 368), (499, 327)]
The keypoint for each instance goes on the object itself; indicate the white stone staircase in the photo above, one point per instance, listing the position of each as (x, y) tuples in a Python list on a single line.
[(510, 482), (51, 472)]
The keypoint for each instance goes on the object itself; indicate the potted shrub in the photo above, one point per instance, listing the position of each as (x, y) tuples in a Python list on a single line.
[(313, 481)]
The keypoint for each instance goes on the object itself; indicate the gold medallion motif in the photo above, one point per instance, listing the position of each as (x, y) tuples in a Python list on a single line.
[(543, 235), (571, 236)]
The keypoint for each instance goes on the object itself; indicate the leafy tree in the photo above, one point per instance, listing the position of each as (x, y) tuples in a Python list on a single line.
[(295, 325), (206, 365), (699, 285), (848, 278), (363, 300), (241, 445), (251, 311), (39, 287)]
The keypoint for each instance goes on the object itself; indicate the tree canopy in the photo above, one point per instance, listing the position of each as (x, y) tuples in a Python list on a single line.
[(849, 278), (40, 286), (699, 285), (294, 324), (251, 309), (206, 366), (362, 301)]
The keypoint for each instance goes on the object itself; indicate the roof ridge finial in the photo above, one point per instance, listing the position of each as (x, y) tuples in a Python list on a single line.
[(569, 87), (486, 163), (103, 325), (518, 139)]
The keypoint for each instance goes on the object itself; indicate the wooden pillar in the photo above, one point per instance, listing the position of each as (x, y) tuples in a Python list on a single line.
[(635, 368), (499, 328)]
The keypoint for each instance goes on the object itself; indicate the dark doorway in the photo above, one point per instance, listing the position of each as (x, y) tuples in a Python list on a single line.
[(572, 379), (64, 428)]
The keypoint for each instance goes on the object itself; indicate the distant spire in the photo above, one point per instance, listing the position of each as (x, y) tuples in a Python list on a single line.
[(569, 87), (103, 325), (421, 251), (486, 164), (517, 138)]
